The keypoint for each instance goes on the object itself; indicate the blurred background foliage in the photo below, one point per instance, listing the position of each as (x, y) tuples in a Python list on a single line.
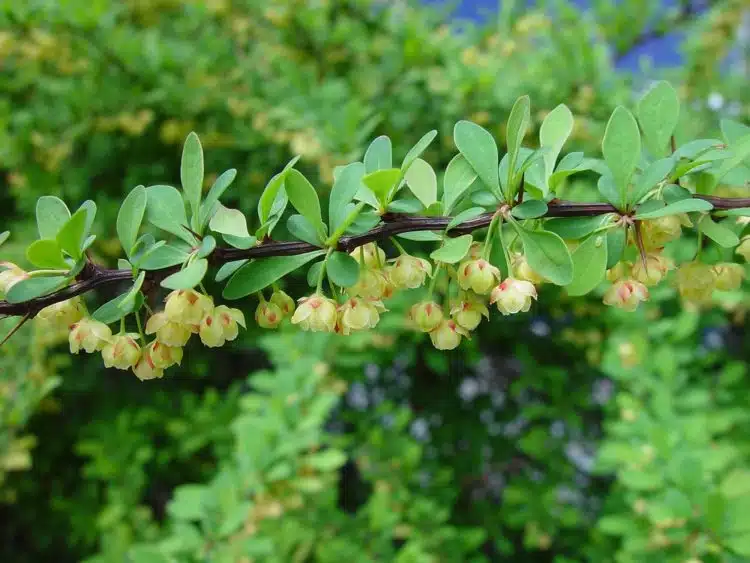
[(575, 433)]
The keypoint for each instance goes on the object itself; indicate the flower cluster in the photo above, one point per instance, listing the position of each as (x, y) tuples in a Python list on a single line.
[(186, 312)]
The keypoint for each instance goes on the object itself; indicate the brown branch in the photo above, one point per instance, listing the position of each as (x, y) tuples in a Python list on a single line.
[(93, 277)]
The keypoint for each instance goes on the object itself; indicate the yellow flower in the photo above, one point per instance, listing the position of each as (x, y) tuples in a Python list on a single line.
[(89, 335), (626, 294), (63, 314), (658, 232), (729, 276), (211, 331), (146, 369), (316, 313), (618, 272), (283, 302), (655, 270), (372, 284), (513, 296), (187, 306), (447, 335), (427, 315), (374, 257), (268, 315), (468, 313), (168, 332), (409, 272), (477, 275), (122, 352), (696, 282), (162, 356), (743, 249), (522, 271), (230, 320), (358, 314)]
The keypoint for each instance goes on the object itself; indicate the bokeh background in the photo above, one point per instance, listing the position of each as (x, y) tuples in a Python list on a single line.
[(573, 433)]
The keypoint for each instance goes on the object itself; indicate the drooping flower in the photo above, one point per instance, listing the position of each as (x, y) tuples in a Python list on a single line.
[(427, 315), (63, 314), (696, 282), (468, 313), (371, 253), (729, 276), (283, 302), (358, 314), (654, 270), (513, 296), (409, 272), (168, 331), (658, 232), (162, 356), (477, 275), (372, 284), (522, 271), (187, 306), (268, 314), (316, 313), (626, 294), (89, 335), (447, 335), (122, 352)]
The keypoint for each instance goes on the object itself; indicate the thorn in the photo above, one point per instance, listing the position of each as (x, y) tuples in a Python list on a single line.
[(15, 329), (639, 244), (192, 232)]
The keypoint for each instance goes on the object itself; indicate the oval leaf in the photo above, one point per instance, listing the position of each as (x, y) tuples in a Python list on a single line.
[(51, 215), (162, 257), (130, 217), (453, 249), (555, 130), (589, 265), (71, 235), (417, 150), (118, 308), (32, 288), (621, 147), (345, 187), (165, 209), (547, 255), (464, 216), (616, 239), (658, 111), (530, 209), (300, 228), (218, 188), (229, 222), (304, 198), (343, 270), (422, 181), (259, 274), (381, 182), (46, 253), (188, 277), (379, 155), (191, 171), (269, 195), (479, 149), (683, 206), (458, 178), (718, 232)]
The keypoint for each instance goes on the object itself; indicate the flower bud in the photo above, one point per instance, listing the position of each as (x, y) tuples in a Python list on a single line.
[(427, 315), (168, 332), (522, 271), (477, 275), (162, 356), (211, 332), (268, 315), (696, 282), (358, 314), (187, 306), (374, 257), (89, 335), (447, 335), (658, 232), (230, 320), (283, 302), (729, 276), (468, 313), (626, 294), (654, 271), (63, 314), (372, 284), (743, 249), (513, 296), (145, 368), (10, 276), (122, 352), (316, 313), (409, 272), (619, 271)]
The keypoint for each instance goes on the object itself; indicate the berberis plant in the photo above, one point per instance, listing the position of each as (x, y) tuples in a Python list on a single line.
[(651, 189)]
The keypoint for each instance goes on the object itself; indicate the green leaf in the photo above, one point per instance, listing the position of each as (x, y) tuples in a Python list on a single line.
[(615, 245), (259, 274), (464, 216), (608, 189), (327, 460), (129, 298), (191, 173), (736, 212), (673, 192), (479, 149), (243, 243), (417, 150), (119, 307), (188, 277), (207, 246), (555, 130), (31, 288), (658, 111), (4, 236), (547, 254), (162, 257), (165, 209), (51, 215), (218, 188), (589, 265), (484, 198), (269, 195), (345, 187), (314, 273), (733, 131), (574, 228), (421, 236), (71, 235), (228, 269), (529, 209), (229, 222), (718, 232), (651, 176), (381, 182), (622, 148), (343, 270), (740, 153), (453, 249), (304, 198), (301, 228), (422, 181), (130, 217), (458, 178), (682, 206), (46, 253), (378, 155), (518, 124)]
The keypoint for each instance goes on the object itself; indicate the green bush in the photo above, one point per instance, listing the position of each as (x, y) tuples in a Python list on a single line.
[(578, 434)]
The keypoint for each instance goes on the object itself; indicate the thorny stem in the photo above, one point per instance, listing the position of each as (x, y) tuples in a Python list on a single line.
[(94, 277)]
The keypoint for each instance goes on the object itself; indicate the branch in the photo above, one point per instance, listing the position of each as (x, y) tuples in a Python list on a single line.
[(94, 277)]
